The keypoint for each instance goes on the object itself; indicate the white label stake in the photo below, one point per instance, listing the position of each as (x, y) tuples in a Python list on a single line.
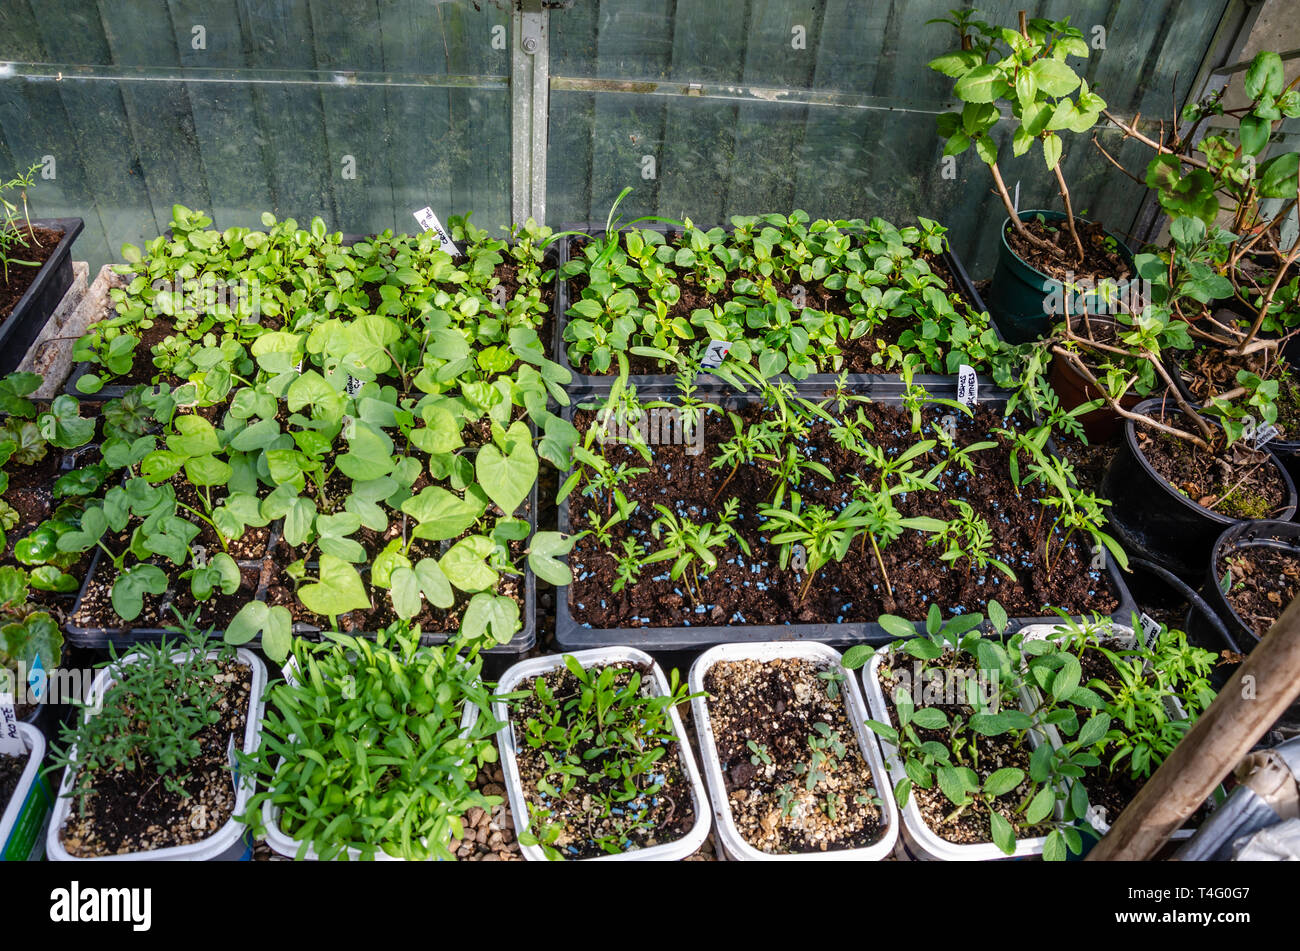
[(429, 222), (1265, 434), (717, 352), (1150, 627), (967, 386), (11, 741)]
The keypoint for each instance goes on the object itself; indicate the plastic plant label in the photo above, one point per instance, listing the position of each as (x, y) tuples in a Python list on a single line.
[(11, 741), (1150, 627), (798, 558), (717, 352), (429, 222), (354, 385), (1264, 434), (967, 386)]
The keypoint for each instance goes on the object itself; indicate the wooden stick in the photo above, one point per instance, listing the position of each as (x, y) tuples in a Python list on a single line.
[(1131, 131), (1263, 687), (1069, 210)]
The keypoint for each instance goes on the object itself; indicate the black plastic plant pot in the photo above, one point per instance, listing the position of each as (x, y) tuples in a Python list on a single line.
[(25, 322), (1280, 536), (707, 381), (524, 640), (1023, 301), (1287, 450), (1154, 520), (572, 634), (128, 634)]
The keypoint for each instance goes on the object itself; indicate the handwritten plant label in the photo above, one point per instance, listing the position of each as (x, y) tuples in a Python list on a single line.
[(717, 352), (11, 741), (967, 386), (429, 222)]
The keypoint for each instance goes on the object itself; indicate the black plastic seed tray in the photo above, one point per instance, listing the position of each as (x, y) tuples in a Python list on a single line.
[(570, 634), (524, 640), (708, 381), (127, 634)]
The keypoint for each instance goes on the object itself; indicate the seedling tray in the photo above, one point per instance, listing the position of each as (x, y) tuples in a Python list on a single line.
[(734, 844), (103, 637), (657, 685), (709, 382), (114, 391), (26, 321), (524, 640), (571, 634), (229, 843), (918, 838)]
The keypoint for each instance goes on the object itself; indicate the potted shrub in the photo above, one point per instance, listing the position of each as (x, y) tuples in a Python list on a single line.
[(1024, 72), (596, 761), (25, 799), (371, 749), (35, 268), (1241, 282), (792, 772), (148, 766), (971, 764)]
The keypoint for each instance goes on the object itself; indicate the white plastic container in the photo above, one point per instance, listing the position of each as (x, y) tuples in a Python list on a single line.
[(600, 657), (733, 843), (288, 846), (26, 816), (920, 840), (227, 844)]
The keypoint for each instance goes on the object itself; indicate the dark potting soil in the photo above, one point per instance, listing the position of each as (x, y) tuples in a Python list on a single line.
[(1099, 262), (668, 815), (774, 705), (31, 495), (751, 589), (96, 608), (968, 826), (40, 244), (1239, 481), (134, 811), (1259, 582), (143, 369), (1089, 460), (11, 770), (250, 545)]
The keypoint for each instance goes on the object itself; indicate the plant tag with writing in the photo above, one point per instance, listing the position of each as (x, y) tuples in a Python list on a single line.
[(717, 352), (429, 222), (967, 386), (11, 741)]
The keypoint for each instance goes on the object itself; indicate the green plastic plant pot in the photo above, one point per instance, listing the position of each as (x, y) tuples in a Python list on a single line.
[(1023, 301)]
